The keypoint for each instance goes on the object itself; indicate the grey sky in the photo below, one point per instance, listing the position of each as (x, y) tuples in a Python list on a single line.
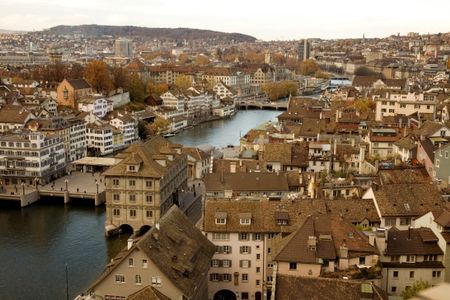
[(268, 20)]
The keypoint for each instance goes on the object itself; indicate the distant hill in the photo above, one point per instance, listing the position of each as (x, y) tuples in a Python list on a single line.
[(149, 33)]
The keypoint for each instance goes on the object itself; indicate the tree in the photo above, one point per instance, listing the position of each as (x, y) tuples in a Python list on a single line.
[(143, 130), (183, 82), (160, 125), (183, 58), (364, 71), (277, 90), (308, 67), (201, 60), (136, 88), (99, 77), (120, 78), (156, 88), (320, 74), (417, 286)]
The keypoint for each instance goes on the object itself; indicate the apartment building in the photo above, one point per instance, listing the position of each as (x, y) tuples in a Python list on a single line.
[(381, 142), (170, 261), (13, 117), (77, 139), (408, 256), (128, 126), (98, 105), (99, 139), (31, 157), (397, 103), (145, 184)]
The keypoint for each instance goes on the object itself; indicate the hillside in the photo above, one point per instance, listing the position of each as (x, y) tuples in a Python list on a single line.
[(149, 33)]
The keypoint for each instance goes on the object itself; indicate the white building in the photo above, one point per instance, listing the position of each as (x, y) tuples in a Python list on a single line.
[(128, 126), (319, 156), (99, 106), (398, 103), (77, 139), (99, 139), (30, 158)]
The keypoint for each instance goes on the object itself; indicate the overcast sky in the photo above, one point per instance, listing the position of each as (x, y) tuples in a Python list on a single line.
[(268, 20)]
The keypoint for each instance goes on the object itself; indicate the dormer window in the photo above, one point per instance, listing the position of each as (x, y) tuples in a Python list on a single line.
[(221, 218), (131, 168), (245, 219), (282, 218)]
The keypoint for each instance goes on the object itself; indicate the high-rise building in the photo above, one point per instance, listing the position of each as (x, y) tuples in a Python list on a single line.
[(123, 47), (304, 49)]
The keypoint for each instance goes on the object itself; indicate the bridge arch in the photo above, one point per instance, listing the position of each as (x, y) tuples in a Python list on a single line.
[(126, 228), (144, 229), (225, 295)]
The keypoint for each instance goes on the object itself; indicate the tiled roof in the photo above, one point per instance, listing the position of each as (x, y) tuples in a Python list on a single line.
[(317, 288), (413, 241), (78, 84), (249, 182), (14, 114), (180, 251), (148, 293)]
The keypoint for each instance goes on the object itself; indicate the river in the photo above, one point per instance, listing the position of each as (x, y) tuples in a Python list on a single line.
[(37, 242)]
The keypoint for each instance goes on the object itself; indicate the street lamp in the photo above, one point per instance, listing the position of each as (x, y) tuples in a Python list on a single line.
[(23, 188)]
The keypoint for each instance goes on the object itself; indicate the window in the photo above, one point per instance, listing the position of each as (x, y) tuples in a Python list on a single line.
[(395, 274), (149, 198), (436, 274), (292, 266), (116, 197), (131, 168), (132, 198), (395, 258), (138, 279), (258, 282), (245, 221), (130, 262), (257, 237), (226, 263), (410, 258), (120, 279), (115, 181), (144, 263), (132, 213), (245, 263), (446, 154), (215, 263), (221, 236), (258, 256), (221, 221), (148, 183), (362, 260), (132, 183), (437, 163), (156, 280), (244, 277), (394, 289), (411, 274), (214, 277), (223, 249), (149, 213), (226, 277), (116, 212), (390, 221), (244, 295), (245, 249), (269, 278), (243, 236), (258, 269)]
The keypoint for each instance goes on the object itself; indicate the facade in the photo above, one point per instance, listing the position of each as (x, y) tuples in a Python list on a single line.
[(31, 158), (99, 106), (123, 47), (145, 184), (77, 139), (442, 165), (128, 126), (408, 256), (13, 117), (392, 104), (99, 139), (69, 91), (381, 142), (199, 162), (170, 261)]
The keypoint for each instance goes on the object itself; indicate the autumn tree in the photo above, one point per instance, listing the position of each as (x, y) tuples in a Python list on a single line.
[(74, 71), (156, 88), (417, 286), (278, 59), (291, 63), (308, 67), (98, 76), (277, 90), (201, 60), (183, 58), (363, 105), (160, 125), (120, 78), (136, 88), (364, 71), (183, 82), (321, 74)]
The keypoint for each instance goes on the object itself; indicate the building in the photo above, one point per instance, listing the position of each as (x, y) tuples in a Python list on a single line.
[(77, 139), (410, 255), (323, 244), (69, 91), (304, 50), (145, 184), (99, 139), (381, 142), (31, 158), (199, 162), (171, 260), (123, 47), (13, 117), (442, 165), (128, 126), (97, 105), (405, 104)]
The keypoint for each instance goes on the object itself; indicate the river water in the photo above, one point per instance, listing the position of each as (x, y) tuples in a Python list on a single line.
[(39, 241)]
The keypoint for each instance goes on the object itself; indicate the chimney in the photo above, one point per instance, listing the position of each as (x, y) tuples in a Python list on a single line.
[(343, 251), (157, 226), (334, 148), (129, 244), (353, 142), (174, 259)]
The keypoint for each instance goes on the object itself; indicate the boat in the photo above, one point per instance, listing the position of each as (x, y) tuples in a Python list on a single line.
[(169, 135)]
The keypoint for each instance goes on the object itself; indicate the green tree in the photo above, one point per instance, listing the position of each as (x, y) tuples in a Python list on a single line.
[(120, 78), (418, 286), (99, 77), (136, 88)]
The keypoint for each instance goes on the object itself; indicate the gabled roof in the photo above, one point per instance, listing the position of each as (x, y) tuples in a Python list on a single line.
[(317, 288), (179, 250), (413, 241), (262, 182), (79, 84)]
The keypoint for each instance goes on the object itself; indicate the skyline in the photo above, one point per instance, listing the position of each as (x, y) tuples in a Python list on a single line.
[(293, 20)]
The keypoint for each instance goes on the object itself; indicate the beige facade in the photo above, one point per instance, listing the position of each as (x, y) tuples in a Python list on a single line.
[(69, 91), (141, 188)]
